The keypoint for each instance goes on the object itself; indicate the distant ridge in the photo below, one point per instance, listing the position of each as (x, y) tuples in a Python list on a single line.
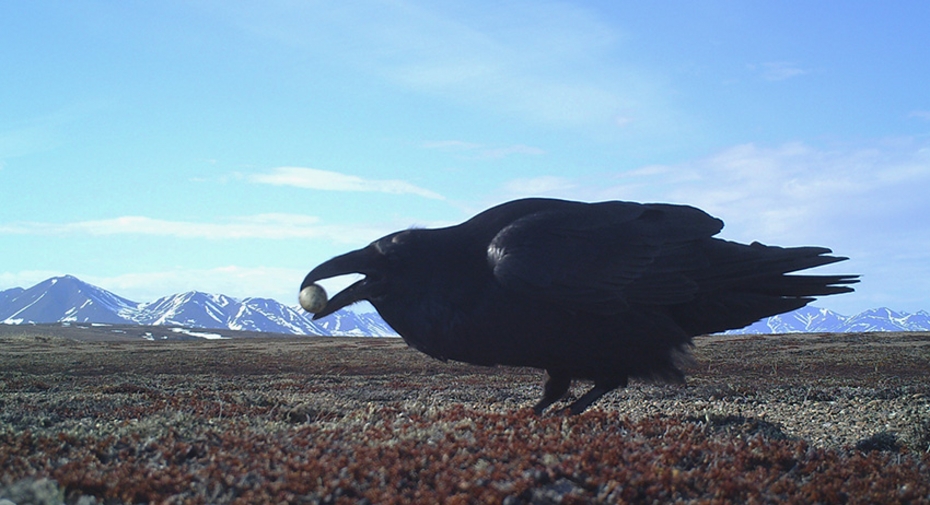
[(69, 299), (814, 320)]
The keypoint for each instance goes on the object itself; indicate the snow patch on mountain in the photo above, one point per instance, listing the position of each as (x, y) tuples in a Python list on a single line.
[(200, 334)]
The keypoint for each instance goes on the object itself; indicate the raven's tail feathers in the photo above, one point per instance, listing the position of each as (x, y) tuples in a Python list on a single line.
[(755, 283)]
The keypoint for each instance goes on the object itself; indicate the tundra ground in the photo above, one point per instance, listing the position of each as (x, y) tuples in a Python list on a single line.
[(101, 415)]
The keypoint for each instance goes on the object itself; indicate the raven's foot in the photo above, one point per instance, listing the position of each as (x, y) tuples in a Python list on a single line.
[(556, 386), (601, 387)]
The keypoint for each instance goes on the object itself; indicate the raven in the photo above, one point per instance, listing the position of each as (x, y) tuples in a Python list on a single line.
[(597, 291)]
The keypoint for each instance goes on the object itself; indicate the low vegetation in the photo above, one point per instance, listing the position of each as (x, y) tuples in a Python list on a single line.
[(833, 418)]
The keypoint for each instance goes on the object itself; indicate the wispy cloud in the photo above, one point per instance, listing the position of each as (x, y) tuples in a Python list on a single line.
[(555, 64), (524, 70), (796, 192), (25, 279), (482, 151), (262, 226), (777, 70), (921, 114), (325, 180)]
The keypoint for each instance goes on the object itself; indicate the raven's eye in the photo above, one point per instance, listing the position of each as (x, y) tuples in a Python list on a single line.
[(383, 246), (387, 246), (400, 238), (388, 250)]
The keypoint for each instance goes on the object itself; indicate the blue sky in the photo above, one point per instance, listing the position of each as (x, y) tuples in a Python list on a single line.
[(159, 147)]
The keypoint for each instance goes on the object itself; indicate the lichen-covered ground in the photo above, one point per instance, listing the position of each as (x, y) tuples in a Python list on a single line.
[(91, 415)]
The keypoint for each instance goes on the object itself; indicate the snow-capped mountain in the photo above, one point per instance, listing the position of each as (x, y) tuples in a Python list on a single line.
[(885, 319), (65, 298), (255, 313), (804, 320), (356, 324), (68, 299), (194, 309), (815, 320)]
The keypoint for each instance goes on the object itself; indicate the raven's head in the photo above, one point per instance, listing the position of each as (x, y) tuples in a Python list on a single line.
[(382, 263)]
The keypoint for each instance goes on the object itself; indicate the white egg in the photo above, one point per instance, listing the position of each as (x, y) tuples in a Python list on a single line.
[(313, 298)]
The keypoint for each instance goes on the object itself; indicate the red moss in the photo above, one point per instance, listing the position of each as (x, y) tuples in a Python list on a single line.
[(464, 456)]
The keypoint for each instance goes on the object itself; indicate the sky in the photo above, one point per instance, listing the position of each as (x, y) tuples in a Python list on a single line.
[(152, 148)]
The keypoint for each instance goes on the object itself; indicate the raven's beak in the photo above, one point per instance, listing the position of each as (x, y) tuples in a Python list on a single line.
[(363, 261)]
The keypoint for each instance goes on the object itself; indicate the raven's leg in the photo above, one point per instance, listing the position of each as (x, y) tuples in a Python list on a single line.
[(601, 387), (557, 385)]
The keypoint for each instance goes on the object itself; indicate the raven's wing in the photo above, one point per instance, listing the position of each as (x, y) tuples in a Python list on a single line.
[(601, 257)]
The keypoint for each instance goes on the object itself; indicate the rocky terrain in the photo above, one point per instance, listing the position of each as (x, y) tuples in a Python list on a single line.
[(92, 416)]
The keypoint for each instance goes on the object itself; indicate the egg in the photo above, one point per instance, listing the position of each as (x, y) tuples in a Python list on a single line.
[(313, 298)]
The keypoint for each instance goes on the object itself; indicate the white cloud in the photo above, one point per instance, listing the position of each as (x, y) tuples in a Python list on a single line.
[(795, 191), (325, 180), (261, 226), (921, 114)]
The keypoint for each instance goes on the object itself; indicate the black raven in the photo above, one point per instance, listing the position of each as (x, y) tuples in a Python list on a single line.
[(598, 291)]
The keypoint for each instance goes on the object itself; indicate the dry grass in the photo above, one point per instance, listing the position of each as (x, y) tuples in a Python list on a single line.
[(110, 418)]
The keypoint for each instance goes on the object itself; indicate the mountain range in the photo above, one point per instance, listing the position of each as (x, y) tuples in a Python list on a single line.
[(68, 299)]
